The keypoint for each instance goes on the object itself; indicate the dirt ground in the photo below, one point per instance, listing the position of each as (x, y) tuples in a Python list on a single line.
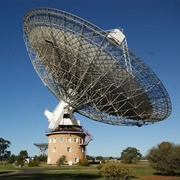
[(158, 177)]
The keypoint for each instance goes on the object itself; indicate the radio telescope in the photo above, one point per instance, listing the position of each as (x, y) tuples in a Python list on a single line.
[(92, 71), (42, 147)]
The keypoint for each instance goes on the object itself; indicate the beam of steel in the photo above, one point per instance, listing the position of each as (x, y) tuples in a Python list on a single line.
[(82, 66)]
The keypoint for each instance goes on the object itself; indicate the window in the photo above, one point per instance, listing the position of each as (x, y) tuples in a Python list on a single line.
[(49, 140), (54, 149), (81, 140), (54, 140), (82, 149), (68, 149), (76, 159), (66, 116), (61, 139), (75, 139), (68, 139)]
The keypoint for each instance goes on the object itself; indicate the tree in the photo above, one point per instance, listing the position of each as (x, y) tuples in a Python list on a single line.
[(61, 161), (23, 153), (130, 155), (42, 157), (21, 157), (110, 158), (165, 158), (4, 144), (100, 158), (89, 157), (12, 158)]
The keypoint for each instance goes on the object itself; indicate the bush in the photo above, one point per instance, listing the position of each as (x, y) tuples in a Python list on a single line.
[(61, 161), (83, 162), (33, 163), (114, 170), (165, 158)]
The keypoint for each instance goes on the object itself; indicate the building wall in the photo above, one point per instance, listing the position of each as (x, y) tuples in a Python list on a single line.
[(65, 144)]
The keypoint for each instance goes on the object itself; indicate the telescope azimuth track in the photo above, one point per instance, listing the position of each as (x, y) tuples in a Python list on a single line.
[(94, 73)]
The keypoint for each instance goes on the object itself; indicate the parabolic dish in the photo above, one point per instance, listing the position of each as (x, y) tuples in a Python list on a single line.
[(98, 77)]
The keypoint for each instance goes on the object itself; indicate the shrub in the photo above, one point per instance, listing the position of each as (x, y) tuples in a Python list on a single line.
[(33, 163), (114, 170), (165, 158), (83, 162), (61, 161)]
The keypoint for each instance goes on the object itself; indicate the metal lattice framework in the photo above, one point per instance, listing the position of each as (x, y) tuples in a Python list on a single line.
[(42, 147), (83, 67)]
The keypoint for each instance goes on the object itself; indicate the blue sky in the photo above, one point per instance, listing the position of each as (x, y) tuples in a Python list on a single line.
[(152, 30)]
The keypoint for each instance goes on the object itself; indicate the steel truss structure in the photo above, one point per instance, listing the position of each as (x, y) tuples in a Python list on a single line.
[(42, 147), (84, 68)]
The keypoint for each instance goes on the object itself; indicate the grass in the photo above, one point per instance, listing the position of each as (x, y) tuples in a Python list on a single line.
[(143, 171), (73, 174), (140, 170), (53, 173)]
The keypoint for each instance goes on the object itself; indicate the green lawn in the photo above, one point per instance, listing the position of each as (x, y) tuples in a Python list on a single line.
[(76, 172), (142, 168)]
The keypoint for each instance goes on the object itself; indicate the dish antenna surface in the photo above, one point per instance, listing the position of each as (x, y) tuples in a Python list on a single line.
[(92, 71)]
